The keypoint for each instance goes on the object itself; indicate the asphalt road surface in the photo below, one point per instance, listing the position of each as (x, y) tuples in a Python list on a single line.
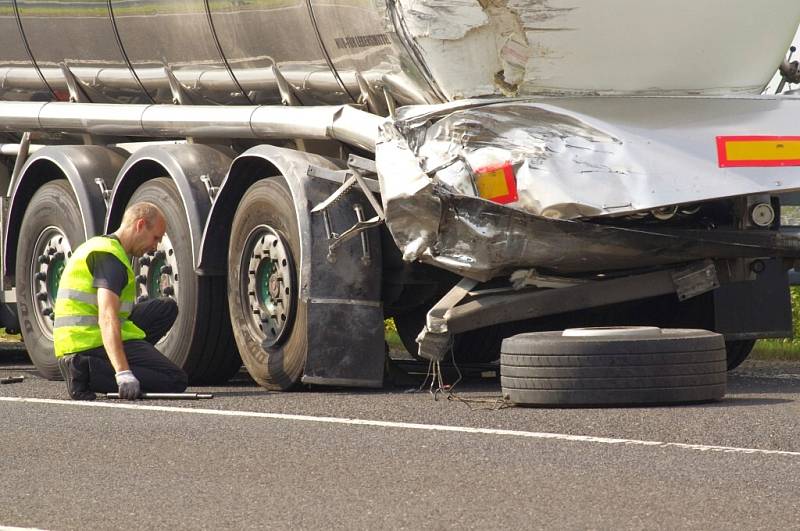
[(394, 458)]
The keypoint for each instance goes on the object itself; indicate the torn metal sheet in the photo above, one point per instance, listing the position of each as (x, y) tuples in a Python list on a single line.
[(443, 19), (477, 48), (476, 187), (486, 37), (481, 240), (535, 148)]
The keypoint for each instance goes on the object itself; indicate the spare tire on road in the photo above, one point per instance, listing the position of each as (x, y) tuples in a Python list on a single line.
[(613, 366)]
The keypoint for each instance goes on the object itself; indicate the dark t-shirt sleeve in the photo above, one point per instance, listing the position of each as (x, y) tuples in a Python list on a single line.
[(108, 272)]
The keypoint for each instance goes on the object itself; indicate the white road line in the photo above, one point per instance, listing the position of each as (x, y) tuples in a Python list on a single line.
[(406, 425), (770, 376)]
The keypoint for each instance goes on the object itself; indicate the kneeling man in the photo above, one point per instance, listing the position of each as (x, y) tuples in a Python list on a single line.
[(103, 341)]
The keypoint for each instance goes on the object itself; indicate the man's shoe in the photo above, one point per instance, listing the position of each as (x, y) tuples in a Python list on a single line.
[(77, 380)]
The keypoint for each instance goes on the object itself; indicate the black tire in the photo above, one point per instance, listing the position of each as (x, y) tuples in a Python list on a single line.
[(201, 340), (53, 213), (409, 325), (267, 204), (738, 351), (673, 366), (475, 346)]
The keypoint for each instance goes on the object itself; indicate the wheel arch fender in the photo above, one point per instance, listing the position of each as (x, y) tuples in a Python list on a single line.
[(81, 166), (345, 290), (260, 162), (187, 165)]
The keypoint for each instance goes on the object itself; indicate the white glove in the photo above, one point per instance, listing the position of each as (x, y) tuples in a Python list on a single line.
[(128, 385)]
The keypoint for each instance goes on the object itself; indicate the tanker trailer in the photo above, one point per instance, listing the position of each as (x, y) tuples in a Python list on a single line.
[(472, 169)]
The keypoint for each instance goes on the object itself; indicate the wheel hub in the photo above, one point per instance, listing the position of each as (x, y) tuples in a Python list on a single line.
[(51, 251), (274, 286), (157, 273), (267, 284)]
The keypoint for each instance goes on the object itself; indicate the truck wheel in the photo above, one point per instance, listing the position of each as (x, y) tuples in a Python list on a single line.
[(475, 346), (409, 325), (738, 351), (263, 289), (51, 228), (613, 366), (201, 340)]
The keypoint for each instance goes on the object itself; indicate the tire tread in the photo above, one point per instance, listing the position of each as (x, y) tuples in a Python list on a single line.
[(548, 369)]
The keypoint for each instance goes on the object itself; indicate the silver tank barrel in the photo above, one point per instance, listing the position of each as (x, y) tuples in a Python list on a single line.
[(269, 122), (223, 52)]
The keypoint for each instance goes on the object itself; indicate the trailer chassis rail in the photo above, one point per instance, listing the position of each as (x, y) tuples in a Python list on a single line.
[(448, 317)]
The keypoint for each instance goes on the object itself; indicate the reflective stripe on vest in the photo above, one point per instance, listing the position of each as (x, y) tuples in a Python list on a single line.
[(79, 320), (76, 327), (90, 298)]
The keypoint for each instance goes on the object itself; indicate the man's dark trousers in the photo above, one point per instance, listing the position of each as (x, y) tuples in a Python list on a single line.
[(156, 374)]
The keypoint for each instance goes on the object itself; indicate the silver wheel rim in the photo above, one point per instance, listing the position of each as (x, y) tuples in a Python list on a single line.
[(157, 274), (267, 285), (51, 252)]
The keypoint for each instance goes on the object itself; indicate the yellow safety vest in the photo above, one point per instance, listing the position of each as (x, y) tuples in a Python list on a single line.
[(76, 327)]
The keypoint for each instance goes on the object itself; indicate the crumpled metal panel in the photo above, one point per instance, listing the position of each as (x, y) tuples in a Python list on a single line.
[(581, 157), (481, 240), (543, 144), (572, 159)]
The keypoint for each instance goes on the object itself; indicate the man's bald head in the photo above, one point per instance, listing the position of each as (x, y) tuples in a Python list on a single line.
[(149, 212), (143, 226)]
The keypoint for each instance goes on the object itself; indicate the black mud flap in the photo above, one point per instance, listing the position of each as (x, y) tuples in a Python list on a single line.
[(343, 287), (343, 348), (755, 309), (9, 318)]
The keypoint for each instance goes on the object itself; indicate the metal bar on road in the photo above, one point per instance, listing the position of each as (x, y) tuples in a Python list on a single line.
[(166, 396)]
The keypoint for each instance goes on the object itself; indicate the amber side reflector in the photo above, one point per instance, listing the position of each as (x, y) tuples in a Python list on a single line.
[(758, 151), (497, 183)]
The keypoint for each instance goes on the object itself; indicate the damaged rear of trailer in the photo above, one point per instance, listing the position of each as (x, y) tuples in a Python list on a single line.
[(566, 192), (472, 169)]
